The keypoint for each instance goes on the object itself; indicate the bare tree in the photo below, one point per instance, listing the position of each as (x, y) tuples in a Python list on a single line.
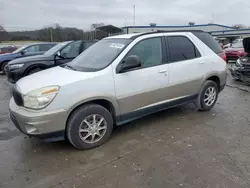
[(3, 34), (191, 23)]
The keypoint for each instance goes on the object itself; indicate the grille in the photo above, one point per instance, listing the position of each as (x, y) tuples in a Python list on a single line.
[(17, 97)]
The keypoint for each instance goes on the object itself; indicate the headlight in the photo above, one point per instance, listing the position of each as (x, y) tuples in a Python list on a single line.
[(40, 98), (238, 63), (16, 66)]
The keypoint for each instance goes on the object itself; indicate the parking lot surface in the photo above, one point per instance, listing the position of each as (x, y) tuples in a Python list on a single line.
[(179, 147)]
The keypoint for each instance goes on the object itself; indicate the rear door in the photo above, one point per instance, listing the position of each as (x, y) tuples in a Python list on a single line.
[(186, 66)]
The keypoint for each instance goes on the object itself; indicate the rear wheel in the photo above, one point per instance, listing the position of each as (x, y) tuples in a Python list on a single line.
[(89, 126), (208, 96)]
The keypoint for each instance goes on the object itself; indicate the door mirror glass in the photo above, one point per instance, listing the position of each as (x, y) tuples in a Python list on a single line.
[(129, 63)]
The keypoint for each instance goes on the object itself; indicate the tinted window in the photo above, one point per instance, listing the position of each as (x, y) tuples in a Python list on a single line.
[(209, 41), (45, 47), (181, 48), (149, 52), (32, 49), (72, 50)]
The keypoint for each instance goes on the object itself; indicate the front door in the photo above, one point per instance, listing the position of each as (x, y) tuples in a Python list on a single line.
[(69, 52), (138, 90)]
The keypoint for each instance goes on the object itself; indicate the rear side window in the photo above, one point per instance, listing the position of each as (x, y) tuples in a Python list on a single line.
[(181, 49), (45, 47), (209, 41)]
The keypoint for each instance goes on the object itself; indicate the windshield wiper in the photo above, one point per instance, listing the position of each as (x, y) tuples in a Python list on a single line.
[(68, 67)]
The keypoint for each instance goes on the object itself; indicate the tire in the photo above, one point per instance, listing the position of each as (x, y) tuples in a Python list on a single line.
[(76, 120), (2, 67), (34, 70), (203, 95)]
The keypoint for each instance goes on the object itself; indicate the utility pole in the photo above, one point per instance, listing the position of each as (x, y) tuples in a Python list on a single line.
[(134, 16), (51, 35)]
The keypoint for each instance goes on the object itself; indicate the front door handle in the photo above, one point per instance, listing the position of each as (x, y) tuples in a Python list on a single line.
[(163, 71), (202, 62)]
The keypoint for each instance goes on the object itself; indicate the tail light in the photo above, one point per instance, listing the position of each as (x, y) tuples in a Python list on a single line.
[(223, 56)]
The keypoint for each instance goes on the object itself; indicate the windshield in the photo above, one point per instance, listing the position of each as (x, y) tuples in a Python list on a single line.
[(237, 45), (57, 47), (20, 49), (99, 55)]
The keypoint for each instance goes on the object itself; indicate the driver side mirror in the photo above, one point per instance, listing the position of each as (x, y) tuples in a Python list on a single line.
[(58, 54), (129, 63), (22, 52)]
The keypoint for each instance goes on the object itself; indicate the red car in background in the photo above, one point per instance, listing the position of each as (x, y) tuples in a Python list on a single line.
[(7, 49), (235, 52)]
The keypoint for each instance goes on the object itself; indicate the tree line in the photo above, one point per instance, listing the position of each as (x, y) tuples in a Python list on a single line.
[(53, 33)]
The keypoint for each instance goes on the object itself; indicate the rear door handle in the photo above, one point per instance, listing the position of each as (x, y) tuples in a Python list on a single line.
[(202, 62), (163, 71)]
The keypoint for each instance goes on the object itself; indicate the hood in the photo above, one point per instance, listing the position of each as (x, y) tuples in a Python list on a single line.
[(31, 58), (5, 54), (246, 44), (56, 76), (8, 55)]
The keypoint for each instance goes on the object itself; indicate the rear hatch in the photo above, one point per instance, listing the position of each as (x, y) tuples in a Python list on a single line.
[(211, 43)]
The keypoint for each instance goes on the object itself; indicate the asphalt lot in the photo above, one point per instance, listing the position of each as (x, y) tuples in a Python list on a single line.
[(179, 147)]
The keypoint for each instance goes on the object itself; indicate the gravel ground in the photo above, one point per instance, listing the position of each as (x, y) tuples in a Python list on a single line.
[(179, 147)]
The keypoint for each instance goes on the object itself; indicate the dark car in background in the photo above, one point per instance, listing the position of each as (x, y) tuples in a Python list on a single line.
[(27, 50), (235, 52), (7, 49), (61, 53)]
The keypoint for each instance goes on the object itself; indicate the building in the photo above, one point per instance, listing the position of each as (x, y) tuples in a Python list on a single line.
[(216, 30)]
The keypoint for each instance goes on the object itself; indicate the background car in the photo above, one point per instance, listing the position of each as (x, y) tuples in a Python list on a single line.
[(7, 49), (58, 55), (27, 50), (235, 52)]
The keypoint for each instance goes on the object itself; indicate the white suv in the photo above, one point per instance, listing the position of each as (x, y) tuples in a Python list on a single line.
[(117, 80)]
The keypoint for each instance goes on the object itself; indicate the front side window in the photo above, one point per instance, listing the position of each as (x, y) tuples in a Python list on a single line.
[(32, 49), (72, 50), (149, 52), (181, 48)]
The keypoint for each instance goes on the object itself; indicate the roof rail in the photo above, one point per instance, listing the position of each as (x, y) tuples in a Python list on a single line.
[(163, 31)]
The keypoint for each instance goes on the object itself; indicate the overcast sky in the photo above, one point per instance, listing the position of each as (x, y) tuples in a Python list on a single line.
[(33, 14)]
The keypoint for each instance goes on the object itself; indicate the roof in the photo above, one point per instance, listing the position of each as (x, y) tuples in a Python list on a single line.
[(125, 36), (135, 35), (179, 26)]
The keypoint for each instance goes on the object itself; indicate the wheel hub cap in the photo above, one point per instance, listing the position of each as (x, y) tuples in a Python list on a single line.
[(92, 128)]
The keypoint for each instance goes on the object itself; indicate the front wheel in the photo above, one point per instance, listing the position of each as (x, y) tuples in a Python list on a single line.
[(3, 67), (89, 126), (207, 96)]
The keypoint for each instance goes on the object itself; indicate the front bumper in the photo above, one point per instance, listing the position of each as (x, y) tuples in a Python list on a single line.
[(41, 124), (13, 77), (237, 73)]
